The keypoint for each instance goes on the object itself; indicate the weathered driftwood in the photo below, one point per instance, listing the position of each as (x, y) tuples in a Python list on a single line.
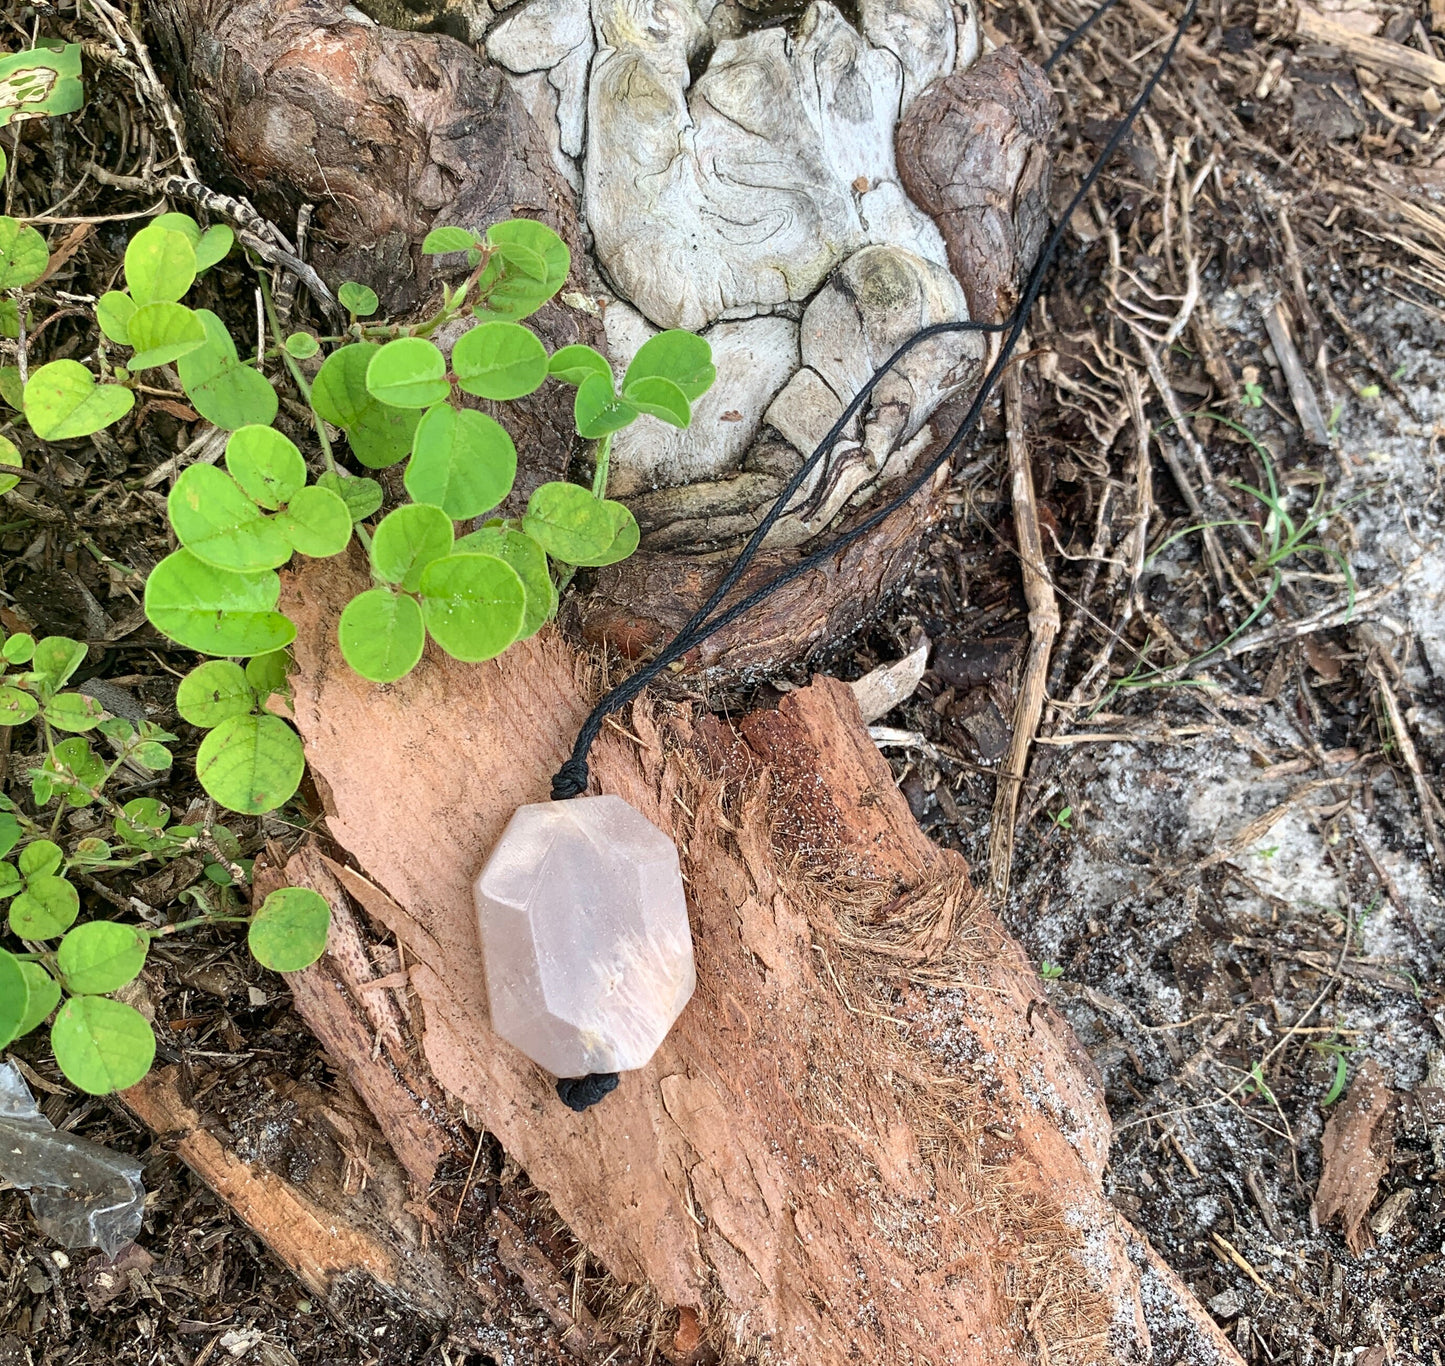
[(706, 171), (868, 1138)]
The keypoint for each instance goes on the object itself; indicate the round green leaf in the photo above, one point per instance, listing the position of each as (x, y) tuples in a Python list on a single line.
[(102, 1045), (40, 858), (215, 245), (9, 455), (214, 611), (23, 254), (661, 398), (522, 259), (160, 265), (10, 880), (269, 673), (74, 711), (251, 764), (11, 390), (16, 707), (10, 832), (316, 522), (408, 373), (19, 648), (512, 292), (142, 822), (101, 956), (499, 361), (529, 560), (14, 997), (572, 364), (220, 388), (56, 658), (44, 996), (361, 496), (473, 605), (439, 241), (407, 540), (266, 464), (682, 357), (302, 345), (77, 770), (162, 333), (358, 299), (379, 434), (462, 461), (113, 311), (289, 931), (218, 524), (62, 400), (576, 528), (45, 909), (214, 691), (182, 223), (597, 410), (382, 634)]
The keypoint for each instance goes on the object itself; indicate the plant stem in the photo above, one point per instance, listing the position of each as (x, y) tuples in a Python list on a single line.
[(199, 920), (295, 369), (604, 459)]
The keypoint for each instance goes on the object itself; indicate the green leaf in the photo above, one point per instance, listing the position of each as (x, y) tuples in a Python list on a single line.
[(113, 311), (45, 909), (182, 223), (9, 455), (439, 241), (40, 858), (511, 292), (213, 692), (14, 997), (152, 756), (19, 648), (289, 931), (270, 673), (73, 711), (10, 880), (62, 401), (473, 605), (408, 373), (215, 245), (75, 769), (462, 461), (160, 266), (142, 823), (219, 525), (56, 658), (407, 540), (102, 1045), (266, 465), (302, 345), (382, 634), (530, 562), (573, 364), (316, 522), (162, 333), (101, 956), (42, 81), (214, 611), (682, 357), (11, 390), (1337, 1084), (661, 398), (221, 389), (16, 707), (597, 410), (10, 832), (44, 996), (251, 764), (92, 851), (576, 528), (9, 319), (361, 496), (358, 299), (379, 434), (499, 361), (23, 254)]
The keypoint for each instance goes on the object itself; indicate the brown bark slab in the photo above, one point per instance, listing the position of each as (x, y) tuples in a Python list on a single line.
[(868, 1137)]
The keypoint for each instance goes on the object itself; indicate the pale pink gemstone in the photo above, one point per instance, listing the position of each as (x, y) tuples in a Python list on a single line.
[(585, 940)]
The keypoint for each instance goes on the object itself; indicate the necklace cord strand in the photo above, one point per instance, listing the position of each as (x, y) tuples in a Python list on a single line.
[(571, 780)]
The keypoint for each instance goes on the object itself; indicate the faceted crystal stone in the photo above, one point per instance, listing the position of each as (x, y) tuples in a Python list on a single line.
[(585, 939)]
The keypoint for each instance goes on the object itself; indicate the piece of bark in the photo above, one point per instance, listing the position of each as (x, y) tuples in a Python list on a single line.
[(860, 1135), (973, 153), (1391, 59), (1301, 391), (1356, 1148)]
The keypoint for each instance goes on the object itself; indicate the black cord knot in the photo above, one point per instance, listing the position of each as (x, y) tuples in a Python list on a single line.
[(570, 780), (581, 1093)]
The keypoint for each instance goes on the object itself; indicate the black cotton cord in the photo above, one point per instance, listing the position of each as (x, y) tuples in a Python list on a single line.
[(572, 778)]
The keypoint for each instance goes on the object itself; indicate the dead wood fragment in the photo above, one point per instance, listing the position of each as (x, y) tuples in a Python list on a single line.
[(1394, 59), (1431, 813), (1356, 1150), (1301, 391)]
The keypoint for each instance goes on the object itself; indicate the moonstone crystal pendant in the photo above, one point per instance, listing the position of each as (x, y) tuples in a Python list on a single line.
[(585, 939)]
